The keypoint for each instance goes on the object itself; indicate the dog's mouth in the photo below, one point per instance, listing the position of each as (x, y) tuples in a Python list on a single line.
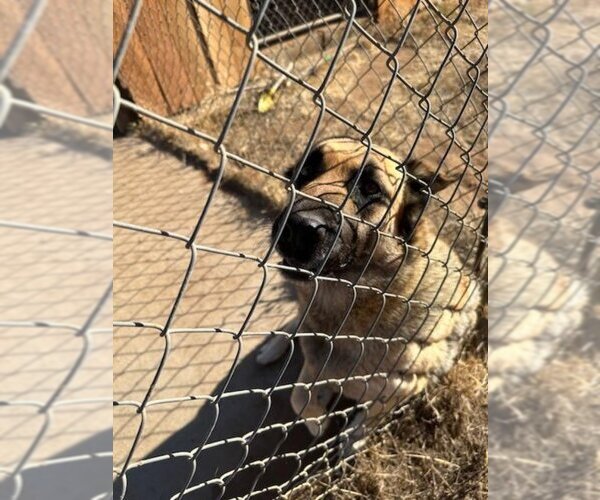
[(295, 273)]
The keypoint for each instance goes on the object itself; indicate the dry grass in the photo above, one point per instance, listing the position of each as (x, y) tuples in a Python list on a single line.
[(542, 441), (437, 448), (545, 443)]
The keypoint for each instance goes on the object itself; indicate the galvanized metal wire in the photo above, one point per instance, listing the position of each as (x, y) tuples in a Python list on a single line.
[(41, 316), (349, 29), (544, 186)]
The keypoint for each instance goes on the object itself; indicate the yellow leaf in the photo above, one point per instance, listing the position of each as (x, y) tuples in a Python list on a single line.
[(265, 102)]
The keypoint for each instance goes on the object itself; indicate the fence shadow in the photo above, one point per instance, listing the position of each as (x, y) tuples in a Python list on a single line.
[(62, 477), (237, 416)]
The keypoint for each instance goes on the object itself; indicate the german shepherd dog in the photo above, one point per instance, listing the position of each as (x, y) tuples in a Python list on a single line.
[(388, 301)]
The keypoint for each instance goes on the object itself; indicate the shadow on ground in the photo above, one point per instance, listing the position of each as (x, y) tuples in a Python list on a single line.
[(237, 416), (86, 477)]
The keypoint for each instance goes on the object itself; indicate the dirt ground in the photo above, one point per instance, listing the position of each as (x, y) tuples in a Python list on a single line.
[(357, 90), (157, 189)]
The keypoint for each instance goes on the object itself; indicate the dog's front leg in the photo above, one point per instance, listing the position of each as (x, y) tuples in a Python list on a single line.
[(357, 437), (274, 348)]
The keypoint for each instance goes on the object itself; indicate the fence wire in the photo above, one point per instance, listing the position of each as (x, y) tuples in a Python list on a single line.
[(408, 87), (56, 252), (543, 280)]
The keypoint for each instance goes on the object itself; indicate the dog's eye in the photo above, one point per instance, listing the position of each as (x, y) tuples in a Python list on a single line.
[(369, 187)]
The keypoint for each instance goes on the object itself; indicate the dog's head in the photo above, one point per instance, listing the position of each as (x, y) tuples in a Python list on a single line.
[(339, 178)]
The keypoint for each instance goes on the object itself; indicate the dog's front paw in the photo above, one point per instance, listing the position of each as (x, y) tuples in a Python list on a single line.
[(273, 350), (357, 438)]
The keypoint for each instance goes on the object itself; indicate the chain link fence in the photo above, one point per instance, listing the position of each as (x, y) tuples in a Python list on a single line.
[(55, 334), (406, 86), (543, 269), (232, 94)]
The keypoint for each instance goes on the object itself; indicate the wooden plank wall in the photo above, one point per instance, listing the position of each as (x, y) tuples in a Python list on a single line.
[(66, 61), (180, 52)]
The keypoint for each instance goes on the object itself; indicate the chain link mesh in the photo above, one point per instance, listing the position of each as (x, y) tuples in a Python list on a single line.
[(416, 86), (199, 284), (543, 281), (55, 331)]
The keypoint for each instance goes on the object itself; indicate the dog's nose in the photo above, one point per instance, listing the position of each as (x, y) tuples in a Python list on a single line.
[(302, 237)]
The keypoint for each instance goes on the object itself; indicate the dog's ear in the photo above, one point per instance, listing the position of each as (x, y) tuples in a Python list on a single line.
[(431, 175), (312, 168), (407, 219), (424, 174)]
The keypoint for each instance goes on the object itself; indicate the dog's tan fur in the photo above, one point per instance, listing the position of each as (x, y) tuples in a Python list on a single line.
[(406, 336)]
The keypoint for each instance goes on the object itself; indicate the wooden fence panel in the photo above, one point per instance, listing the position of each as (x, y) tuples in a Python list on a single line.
[(78, 33), (180, 52), (56, 68), (226, 46), (136, 72)]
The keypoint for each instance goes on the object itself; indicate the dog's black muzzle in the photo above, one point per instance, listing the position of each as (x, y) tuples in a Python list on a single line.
[(307, 237)]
